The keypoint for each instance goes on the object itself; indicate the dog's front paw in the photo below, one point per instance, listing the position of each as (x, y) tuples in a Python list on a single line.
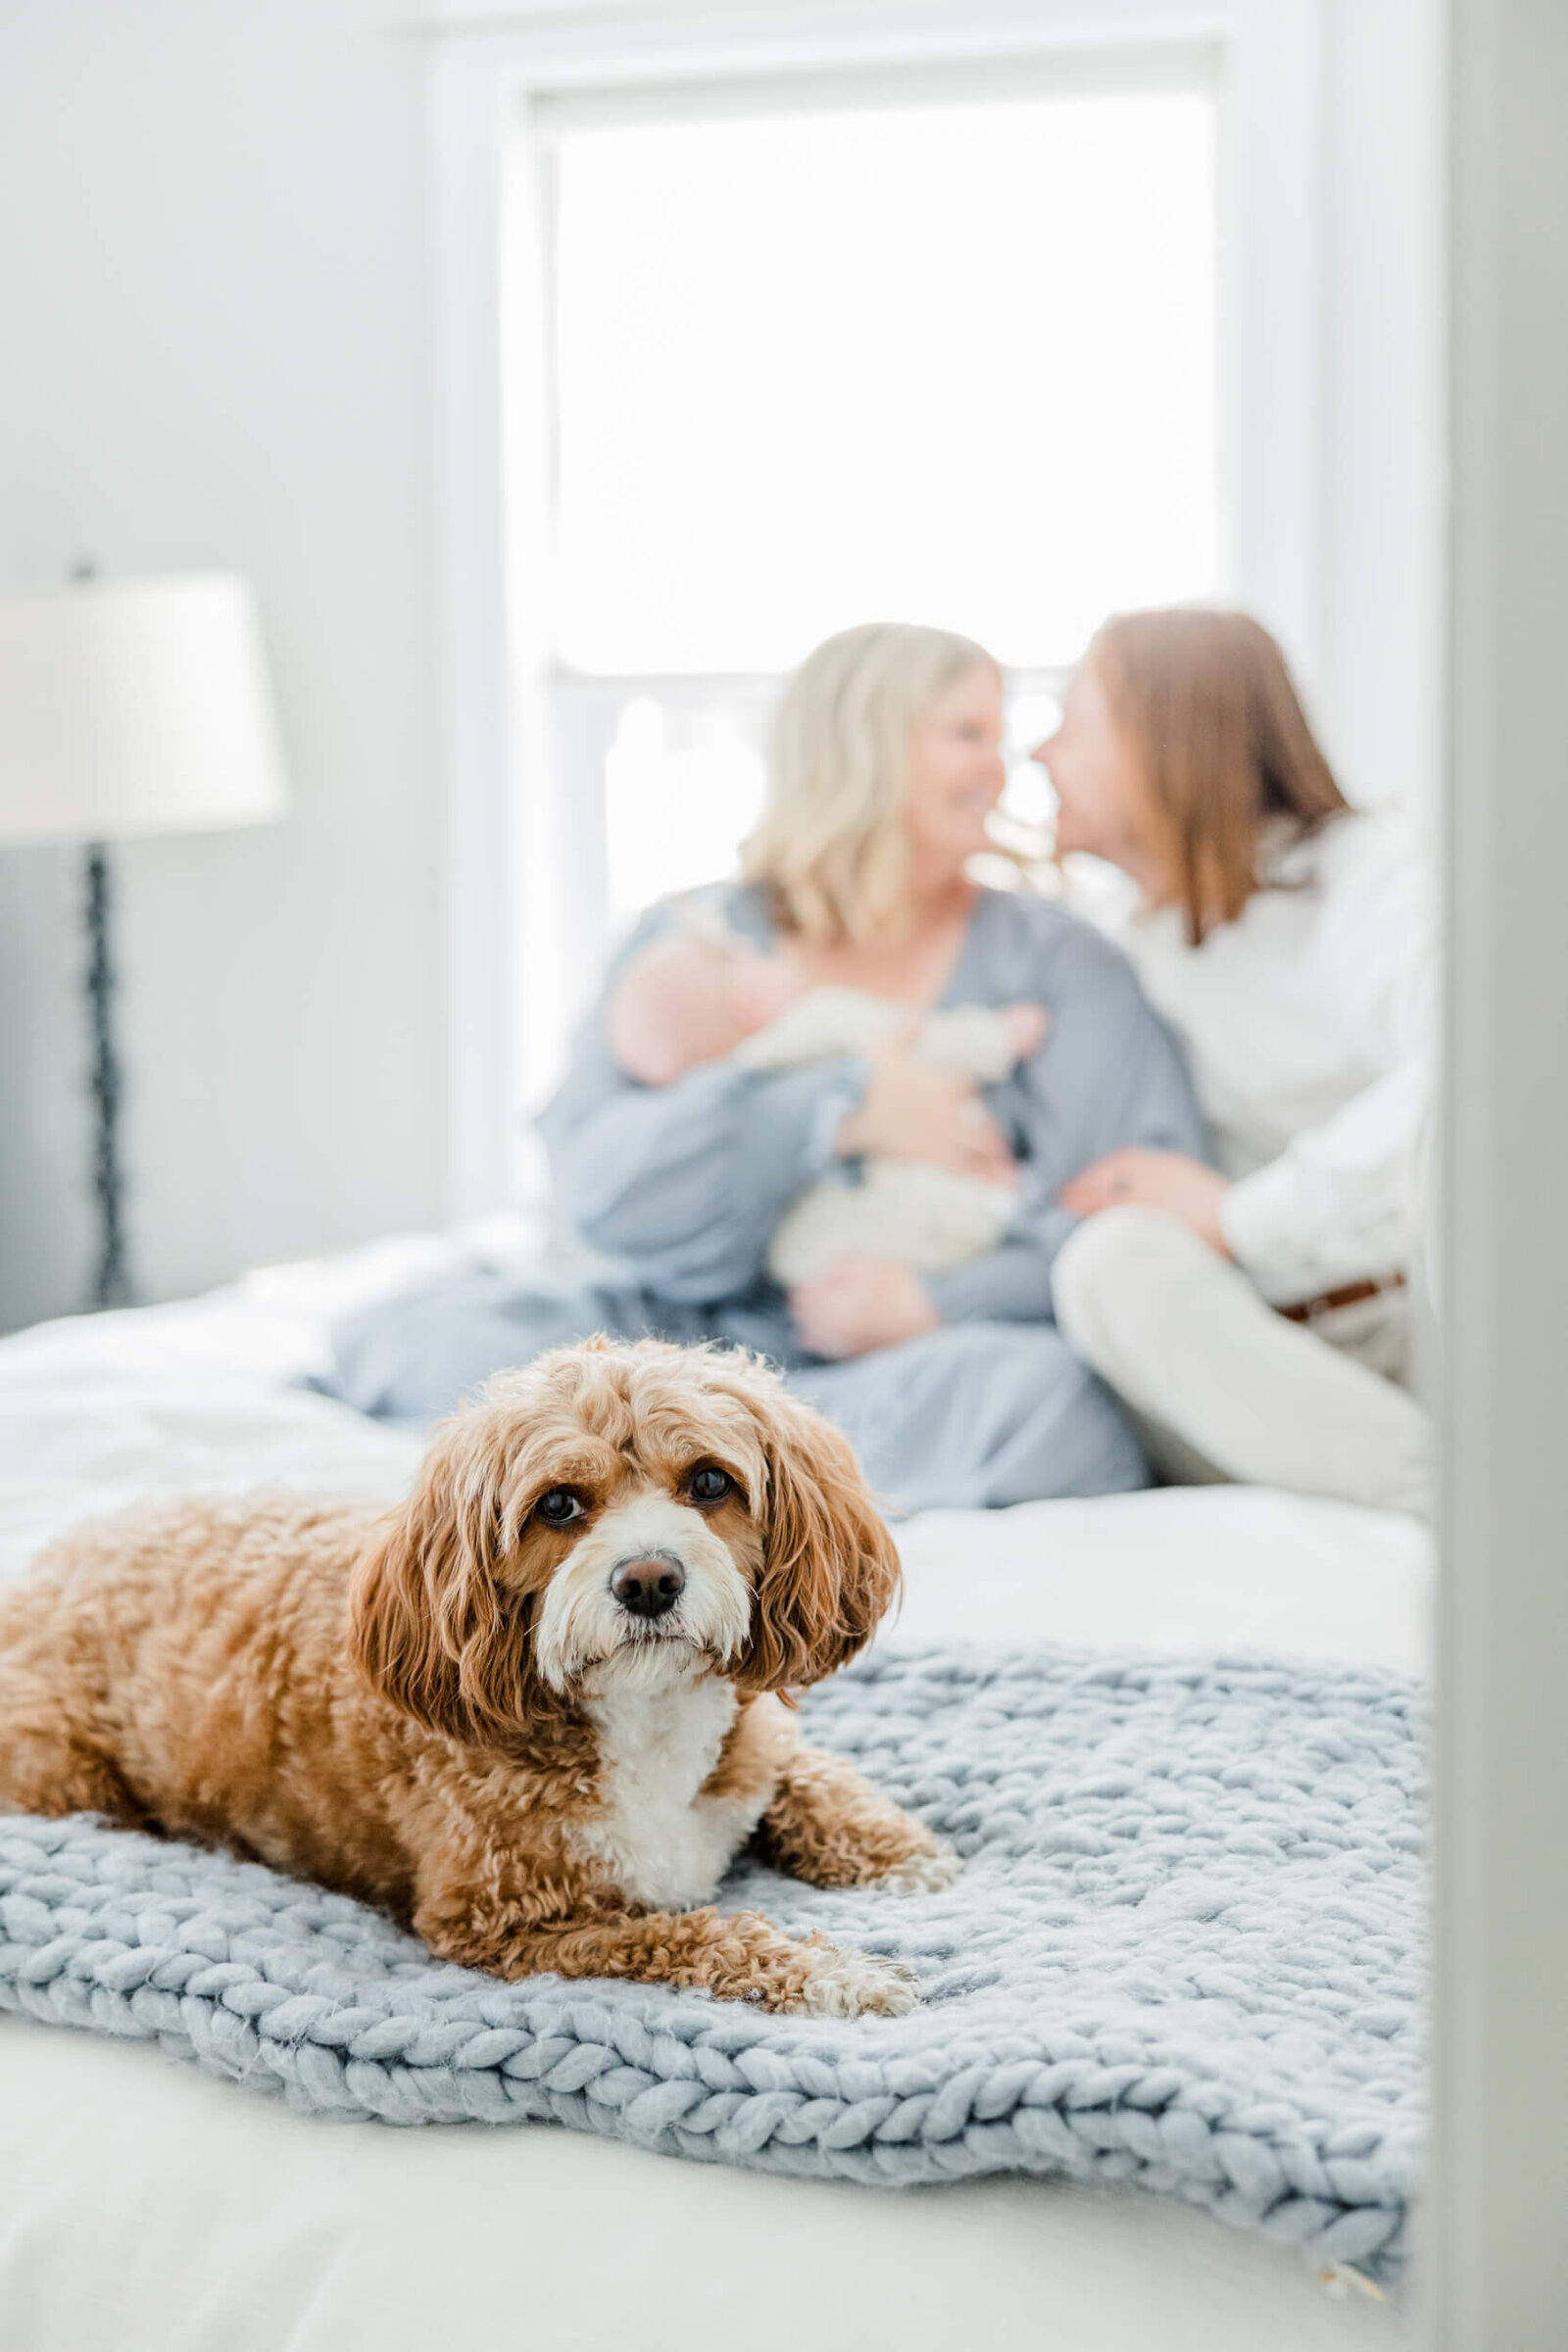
[(925, 1873), (846, 1984)]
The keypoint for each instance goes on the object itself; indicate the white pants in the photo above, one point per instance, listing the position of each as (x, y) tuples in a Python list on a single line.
[(1221, 1387)]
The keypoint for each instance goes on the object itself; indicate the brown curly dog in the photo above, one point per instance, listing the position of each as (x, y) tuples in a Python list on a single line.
[(535, 1713)]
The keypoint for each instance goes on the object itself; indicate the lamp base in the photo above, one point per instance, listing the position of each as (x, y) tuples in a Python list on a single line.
[(112, 1284)]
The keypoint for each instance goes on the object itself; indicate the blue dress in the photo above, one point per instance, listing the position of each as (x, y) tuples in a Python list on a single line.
[(678, 1190)]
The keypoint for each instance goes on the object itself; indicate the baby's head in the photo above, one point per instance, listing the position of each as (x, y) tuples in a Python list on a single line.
[(689, 999)]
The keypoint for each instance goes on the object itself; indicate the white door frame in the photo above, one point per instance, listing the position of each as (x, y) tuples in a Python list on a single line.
[(1496, 2241), (486, 60)]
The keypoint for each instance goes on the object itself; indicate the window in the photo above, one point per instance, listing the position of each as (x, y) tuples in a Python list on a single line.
[(842, 355)]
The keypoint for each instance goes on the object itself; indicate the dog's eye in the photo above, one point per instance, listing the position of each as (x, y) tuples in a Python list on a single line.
[(709, 1484), (561, 1505)]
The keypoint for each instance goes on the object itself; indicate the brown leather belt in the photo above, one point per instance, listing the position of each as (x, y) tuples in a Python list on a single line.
[(1302, 1311)]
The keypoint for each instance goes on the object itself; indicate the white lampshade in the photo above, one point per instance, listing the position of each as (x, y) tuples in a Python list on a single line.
[(137, 705)]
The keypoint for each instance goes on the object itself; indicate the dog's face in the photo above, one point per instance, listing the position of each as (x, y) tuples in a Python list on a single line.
[(631, 1510)]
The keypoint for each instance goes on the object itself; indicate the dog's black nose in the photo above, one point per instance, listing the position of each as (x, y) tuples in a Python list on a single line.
[(648, 1587)]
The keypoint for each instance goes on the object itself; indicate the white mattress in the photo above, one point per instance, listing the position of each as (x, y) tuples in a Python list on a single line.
[(143, 2205)]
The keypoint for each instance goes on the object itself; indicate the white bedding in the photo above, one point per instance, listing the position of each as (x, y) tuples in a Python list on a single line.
[(143, 2205)]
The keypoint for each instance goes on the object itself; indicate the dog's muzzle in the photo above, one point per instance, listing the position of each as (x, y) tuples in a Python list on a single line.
[(649, 1585)]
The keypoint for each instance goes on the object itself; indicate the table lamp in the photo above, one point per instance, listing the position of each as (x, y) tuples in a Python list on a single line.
[(131, 706)]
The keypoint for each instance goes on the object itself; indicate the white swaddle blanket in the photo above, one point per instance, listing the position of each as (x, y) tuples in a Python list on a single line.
[(923, 1216)]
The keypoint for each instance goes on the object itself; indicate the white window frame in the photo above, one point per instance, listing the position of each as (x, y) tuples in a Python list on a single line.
[(512, 843), (579, 710)]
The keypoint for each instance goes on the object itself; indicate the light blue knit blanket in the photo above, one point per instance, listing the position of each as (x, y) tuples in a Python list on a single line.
[(1185, 1950)]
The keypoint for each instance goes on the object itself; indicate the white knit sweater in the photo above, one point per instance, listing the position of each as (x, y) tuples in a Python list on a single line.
[(1309, 1026)]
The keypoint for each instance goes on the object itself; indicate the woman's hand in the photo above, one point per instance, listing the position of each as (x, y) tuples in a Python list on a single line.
[(859, 1303), (914, 1111), (1183, 1188)]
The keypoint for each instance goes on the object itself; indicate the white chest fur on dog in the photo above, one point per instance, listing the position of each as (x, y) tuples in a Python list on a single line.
[(664, 1844)]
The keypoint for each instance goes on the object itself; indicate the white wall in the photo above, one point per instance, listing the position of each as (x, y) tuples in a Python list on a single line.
[(213, 306), (1381, 415)]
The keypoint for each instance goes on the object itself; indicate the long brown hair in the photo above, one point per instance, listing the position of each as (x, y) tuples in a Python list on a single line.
[(1209, 705)]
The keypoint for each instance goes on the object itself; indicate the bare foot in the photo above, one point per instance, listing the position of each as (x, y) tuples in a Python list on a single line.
[(1028, 1026), (762, 987)]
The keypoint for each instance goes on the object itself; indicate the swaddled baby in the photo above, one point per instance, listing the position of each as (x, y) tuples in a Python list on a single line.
[(699, 995)]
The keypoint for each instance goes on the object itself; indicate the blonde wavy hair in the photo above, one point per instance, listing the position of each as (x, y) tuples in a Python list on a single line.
[(831, 848)]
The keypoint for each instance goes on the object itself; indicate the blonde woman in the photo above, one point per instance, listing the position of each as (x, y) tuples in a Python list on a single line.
[(1254, 1317), (955, 1387)]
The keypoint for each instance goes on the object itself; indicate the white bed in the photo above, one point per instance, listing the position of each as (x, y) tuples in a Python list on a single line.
[(144, 2205)]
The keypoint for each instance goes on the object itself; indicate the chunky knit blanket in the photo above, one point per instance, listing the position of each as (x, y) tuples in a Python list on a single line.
[(1184, 1951)]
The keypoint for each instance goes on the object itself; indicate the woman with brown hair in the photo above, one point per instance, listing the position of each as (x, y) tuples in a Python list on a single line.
[(952, 1384), (1254, 1317)]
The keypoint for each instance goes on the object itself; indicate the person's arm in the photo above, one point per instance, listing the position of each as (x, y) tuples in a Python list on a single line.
[(686, 1181), (1109, 1076), (1337, 1203)]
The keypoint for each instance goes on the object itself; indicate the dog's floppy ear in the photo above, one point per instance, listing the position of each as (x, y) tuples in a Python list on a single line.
[(831, 1568), (429, 1625)]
